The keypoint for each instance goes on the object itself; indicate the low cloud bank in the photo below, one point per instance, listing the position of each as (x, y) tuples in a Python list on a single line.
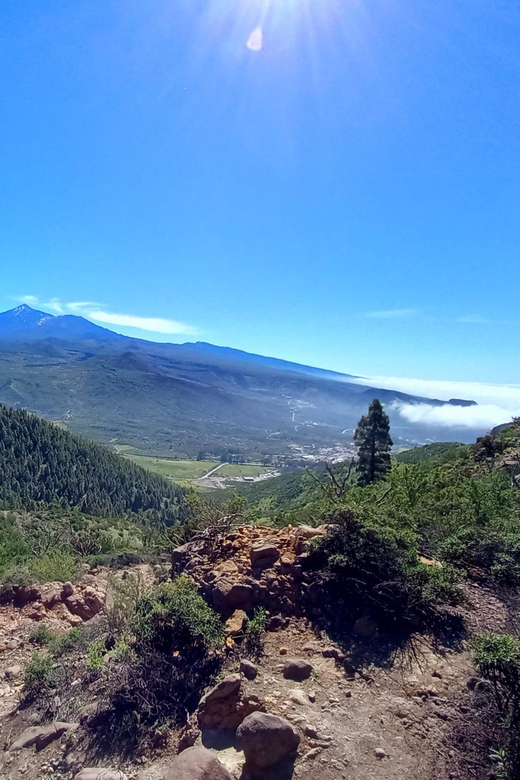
[(496, 403), (485, 416)]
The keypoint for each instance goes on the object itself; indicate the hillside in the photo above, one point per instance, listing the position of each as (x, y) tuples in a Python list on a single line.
[(40, 463), (179, 399), (361, 646)]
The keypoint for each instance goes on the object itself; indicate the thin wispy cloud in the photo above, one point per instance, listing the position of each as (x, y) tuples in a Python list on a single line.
[(97, 313), (389, 314)]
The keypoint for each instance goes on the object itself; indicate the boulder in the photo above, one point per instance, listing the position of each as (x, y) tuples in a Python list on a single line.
[(67, 590), (236, 623), (264, 554), (41, 736), (297, 669), (100, 773), (266, 740), (248, 669), (228, 596), (77, 606), (308, 532), (219, 707), (197, 763)]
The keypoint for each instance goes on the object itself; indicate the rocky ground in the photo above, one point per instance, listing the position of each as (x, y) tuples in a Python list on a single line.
[(379, 716)]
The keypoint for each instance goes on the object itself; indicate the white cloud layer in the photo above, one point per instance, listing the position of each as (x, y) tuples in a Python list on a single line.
[(496, 403), (93, 311)]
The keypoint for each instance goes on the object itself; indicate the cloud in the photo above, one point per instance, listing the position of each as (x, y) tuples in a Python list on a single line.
[(390, 314), (496, 403), (484, 417), (94, 311), (153, 324)]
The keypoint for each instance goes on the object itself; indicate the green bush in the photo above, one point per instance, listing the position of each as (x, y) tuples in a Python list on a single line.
[(173, 654), (40, 676), (55, 566), (366, 568), (497, 659), (42, 635), (75, 639), (173, 617)]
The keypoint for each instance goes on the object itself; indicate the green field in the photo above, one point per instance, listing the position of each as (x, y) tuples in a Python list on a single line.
[(241, 470), (177, 470)]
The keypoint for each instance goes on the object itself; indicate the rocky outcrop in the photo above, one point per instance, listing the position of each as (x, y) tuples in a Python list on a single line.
[(197, 763), (266, 740), (74, 604), (250, 568)]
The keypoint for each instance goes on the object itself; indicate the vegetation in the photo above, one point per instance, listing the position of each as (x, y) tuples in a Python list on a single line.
[(438, 450), (373, 440), (497, 658), (50, 543), (41, 463)]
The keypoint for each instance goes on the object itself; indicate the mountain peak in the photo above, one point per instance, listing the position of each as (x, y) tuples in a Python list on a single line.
[(22, 317)]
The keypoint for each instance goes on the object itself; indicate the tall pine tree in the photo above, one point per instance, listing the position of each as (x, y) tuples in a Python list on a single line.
[(372, 438)]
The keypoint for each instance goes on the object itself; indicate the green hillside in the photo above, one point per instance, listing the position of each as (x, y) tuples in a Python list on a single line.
[(440, 449), (40, 463)]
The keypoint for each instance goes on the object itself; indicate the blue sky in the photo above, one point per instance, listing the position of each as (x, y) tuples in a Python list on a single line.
[(347, 195)]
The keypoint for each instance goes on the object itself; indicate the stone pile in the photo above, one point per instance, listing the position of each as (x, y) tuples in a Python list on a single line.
[(252, 567)]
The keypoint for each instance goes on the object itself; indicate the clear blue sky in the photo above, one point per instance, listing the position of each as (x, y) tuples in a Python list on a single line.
[(346, 196)]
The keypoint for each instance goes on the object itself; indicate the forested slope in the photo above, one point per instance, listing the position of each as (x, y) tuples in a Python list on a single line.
[(42, 463)]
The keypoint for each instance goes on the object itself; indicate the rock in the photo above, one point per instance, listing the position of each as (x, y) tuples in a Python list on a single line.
[(311, 732), (12, 644), (380, 753), (67, 590), (197, 763), (308, 532), (41, 736), (283, 651), (365, 627), (297, 669), (50, 597), (93, 600), (78, 606), (248, 669), (219, 708), (13, 671), (266, 740), (264, 554), (236, 623), (25, 593), (100, 773), (298, 697), (232, 595), (276, 623)]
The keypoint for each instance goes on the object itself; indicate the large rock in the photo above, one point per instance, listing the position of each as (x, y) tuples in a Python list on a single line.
[(197, 763), (228, 596), (266, 740), (224, 706), (248, 669), (41, 736), (236, 623), (297, 669), (264, 554), (100, 773), (365, 627)]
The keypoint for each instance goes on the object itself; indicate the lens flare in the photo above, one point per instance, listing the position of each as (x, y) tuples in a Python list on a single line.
[(255, 40)]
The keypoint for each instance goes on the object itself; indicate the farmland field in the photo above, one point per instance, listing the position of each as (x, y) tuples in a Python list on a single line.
[(241, 470), (177, 470)]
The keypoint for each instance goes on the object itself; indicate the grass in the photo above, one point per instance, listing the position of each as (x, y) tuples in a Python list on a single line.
[(176, 470), (241, 470), (184, 471)]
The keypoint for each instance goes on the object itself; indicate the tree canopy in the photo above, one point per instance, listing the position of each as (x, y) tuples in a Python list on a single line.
[(372, 438)]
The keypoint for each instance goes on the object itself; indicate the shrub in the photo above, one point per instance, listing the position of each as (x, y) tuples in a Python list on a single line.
[(40, 676), (66, 643), (368, 568), (170, 660), (42, 635), (57, 565), (497, 658)]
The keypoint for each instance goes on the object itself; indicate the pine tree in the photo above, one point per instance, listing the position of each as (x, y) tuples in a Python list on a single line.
[(372, 438)]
